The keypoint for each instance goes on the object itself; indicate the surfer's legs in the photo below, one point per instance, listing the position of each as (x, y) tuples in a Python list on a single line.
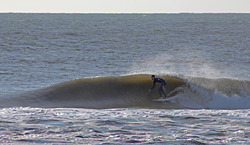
[(163, 91), (160, 90)]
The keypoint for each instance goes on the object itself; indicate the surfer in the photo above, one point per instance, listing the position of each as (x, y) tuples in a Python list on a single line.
[(163, 84)]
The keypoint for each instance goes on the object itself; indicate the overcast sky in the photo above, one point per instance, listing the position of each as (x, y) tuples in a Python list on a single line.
[(126, 6)]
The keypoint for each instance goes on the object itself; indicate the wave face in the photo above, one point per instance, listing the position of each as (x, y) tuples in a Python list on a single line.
[(132, 91)]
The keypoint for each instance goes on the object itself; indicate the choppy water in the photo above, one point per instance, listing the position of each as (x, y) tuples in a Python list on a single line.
[(124, 126), (208, 53)]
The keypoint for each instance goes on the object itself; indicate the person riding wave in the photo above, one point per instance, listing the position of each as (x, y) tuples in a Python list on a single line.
[(163, 85)]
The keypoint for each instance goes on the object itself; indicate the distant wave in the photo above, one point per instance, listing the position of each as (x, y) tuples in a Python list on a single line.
[(132, 91)]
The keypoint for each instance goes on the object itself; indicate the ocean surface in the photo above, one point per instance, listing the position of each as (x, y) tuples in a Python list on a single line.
[(84, 78)]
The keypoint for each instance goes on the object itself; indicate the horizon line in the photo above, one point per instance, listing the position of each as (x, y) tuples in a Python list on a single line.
[(124, 12)]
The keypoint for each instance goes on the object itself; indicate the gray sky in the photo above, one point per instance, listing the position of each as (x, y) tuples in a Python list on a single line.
[(126, 6)]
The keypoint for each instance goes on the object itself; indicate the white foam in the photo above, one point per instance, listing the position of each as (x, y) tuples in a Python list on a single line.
[(202, 98), (233, 102)]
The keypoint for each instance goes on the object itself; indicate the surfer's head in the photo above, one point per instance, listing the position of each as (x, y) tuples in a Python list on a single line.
[(153, 77)]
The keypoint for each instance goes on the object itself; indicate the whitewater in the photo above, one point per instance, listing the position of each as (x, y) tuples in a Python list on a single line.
[(84, 78)]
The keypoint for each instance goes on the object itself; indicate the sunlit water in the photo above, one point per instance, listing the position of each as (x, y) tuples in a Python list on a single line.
[(121, 126), (40, 50)]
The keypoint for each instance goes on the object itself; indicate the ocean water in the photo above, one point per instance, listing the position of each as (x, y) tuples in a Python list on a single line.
[(84, 78)]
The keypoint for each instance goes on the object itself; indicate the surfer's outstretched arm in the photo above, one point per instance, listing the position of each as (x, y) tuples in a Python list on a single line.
[(152, 87)]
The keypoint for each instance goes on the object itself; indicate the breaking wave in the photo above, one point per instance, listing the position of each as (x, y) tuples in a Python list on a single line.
[(132, 91)]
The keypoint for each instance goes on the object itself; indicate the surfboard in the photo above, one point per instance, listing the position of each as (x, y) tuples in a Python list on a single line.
[(171, 96), (162, 100), (167, 99)]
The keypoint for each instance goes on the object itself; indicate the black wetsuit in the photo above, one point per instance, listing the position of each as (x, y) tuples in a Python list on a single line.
[(163, 84)]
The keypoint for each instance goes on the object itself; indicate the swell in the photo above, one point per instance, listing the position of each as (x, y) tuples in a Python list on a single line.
[(132, 91), (103, 92)]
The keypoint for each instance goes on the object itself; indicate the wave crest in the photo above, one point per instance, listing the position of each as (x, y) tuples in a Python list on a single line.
[(131, 91)]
